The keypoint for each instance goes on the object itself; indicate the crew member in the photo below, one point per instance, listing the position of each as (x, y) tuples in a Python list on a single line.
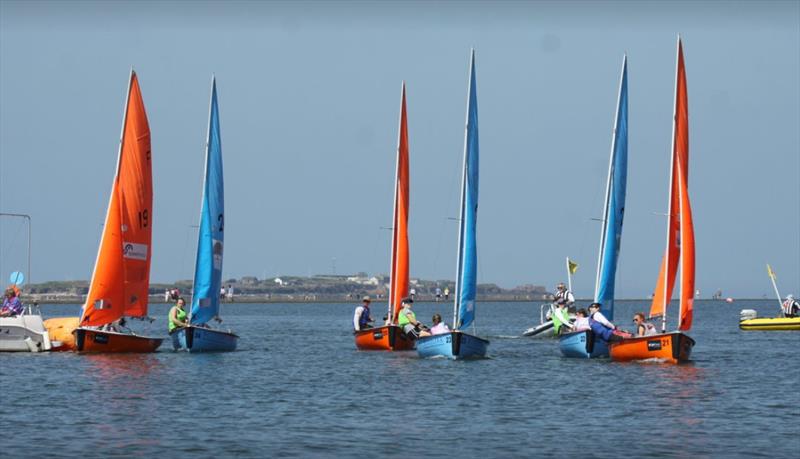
[(177, 315), (361, 318)]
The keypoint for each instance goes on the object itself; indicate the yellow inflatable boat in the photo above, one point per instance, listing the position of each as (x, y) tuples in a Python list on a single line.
[(771, 323), (60, 330)]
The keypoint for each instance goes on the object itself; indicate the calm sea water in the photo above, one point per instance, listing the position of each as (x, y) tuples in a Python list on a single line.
[(298, 388)]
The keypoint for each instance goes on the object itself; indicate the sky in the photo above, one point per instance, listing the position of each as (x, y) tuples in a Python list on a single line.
[(309, 98)]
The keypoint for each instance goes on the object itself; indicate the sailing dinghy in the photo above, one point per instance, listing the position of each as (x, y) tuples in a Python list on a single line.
[(584, 343), (198, 336), (390, 337), (458, 344), (673, 347), (121, 274)]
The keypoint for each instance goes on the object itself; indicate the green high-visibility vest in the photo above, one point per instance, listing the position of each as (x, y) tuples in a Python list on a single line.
[(402, 318), (181, 315)]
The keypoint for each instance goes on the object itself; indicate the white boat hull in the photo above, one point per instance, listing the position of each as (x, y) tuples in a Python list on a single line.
[(24, 333)]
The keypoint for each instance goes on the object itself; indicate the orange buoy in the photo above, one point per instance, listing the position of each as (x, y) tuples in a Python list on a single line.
[(60, 329)]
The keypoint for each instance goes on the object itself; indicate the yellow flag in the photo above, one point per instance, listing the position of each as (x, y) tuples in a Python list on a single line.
[(573, 267), (770, 272)]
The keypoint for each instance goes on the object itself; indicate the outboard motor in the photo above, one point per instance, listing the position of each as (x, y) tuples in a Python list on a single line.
[(747, 314)]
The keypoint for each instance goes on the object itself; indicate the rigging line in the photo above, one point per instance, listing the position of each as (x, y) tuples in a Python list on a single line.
[(11, 243), (453, 188), (185, 248)]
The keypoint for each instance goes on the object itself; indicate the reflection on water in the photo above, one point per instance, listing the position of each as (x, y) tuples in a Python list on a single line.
[(298, 387)]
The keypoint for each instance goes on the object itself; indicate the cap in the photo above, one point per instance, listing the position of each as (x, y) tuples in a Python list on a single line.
[(595, 305), (407, 300), (366, 298)]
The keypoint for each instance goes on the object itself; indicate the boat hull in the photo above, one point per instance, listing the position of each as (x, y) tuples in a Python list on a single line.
[(674, 347), (582, 344), (453, 345), (540, 330), (386, 338), (201, 339), (91, 340), (771, 324), (23, 333)]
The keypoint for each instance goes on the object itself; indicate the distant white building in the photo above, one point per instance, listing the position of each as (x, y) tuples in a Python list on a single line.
[(280, 281)]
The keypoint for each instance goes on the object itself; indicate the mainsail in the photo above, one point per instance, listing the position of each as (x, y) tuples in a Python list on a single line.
[(208, 264), (122, 270), (466, 274), (611, 234), (398, 280), (680, 232)]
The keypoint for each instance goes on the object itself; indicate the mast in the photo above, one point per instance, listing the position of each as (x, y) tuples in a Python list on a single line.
[(393, 255), (670, 216), (113, 183), (459, 262), (611, 164), (203, 198)]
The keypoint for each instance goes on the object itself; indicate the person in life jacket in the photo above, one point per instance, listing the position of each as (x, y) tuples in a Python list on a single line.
[(561, 321), (643, 328), (563, 296), (12, 306), (602, 327), (790, 307), (177, 315), (407, 320), (361, 318)]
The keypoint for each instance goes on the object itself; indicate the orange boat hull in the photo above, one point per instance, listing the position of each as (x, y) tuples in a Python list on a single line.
[(386, 338), (672, 347), (90, 340)]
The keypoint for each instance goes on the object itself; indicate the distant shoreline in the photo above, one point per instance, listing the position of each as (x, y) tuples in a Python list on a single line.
[(264, 300)]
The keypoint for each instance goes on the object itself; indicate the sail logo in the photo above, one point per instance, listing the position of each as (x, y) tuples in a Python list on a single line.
[(217, 254), (470, 305), (134, 251)]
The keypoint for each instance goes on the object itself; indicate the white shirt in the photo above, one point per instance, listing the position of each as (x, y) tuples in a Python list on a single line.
[(581, 323), (356, 317), (598, 316), (439, 329)]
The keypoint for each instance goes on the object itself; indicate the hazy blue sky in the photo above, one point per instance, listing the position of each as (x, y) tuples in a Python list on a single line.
[(309, 99)]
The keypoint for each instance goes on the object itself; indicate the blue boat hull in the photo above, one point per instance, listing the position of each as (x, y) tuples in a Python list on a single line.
[(453, 345), (200, 339), (582, 345)]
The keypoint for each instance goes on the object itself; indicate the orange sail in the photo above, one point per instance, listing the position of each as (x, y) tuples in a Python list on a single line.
[(680, 234), (122, 269), (398, 281)]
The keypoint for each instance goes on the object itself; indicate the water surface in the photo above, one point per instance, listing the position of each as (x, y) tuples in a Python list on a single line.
[(298, 388)]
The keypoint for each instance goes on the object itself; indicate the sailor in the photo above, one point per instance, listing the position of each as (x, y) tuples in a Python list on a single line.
[(177, 315), (407, 320), (790, 307), (439, 327), (561, 322), (563, 296), (581, 321), (12, 306), (361, 318), (643, 328), (601, 326)]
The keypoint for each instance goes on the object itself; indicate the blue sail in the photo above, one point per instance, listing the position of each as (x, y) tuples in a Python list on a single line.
[(208, 265), (615, 203), (468, 250)]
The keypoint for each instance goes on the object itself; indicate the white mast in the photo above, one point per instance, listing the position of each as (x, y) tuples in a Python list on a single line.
[(202, 200), (392, 267), (459, 261), (670, 216)]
